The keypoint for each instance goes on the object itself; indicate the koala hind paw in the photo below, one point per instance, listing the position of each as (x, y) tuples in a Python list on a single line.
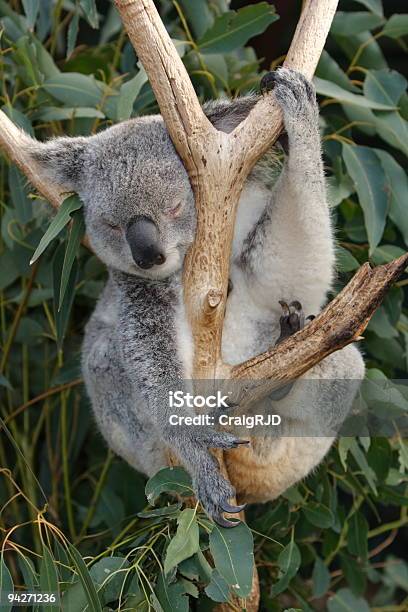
[(292, 90)]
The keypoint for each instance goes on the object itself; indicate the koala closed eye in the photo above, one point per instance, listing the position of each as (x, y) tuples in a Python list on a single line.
[(111, 225), (176, 210)]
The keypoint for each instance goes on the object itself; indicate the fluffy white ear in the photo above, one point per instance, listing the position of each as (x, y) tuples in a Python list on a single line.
[(61, 159)]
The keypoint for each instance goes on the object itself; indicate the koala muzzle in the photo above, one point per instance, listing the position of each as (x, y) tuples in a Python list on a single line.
[(143, 238)]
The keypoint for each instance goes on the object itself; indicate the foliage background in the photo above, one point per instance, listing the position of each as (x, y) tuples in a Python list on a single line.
[(335, 541)]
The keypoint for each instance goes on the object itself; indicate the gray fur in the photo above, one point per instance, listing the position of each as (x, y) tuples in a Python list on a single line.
[(137, 343)]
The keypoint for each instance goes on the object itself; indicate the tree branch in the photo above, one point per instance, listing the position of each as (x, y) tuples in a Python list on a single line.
[(14, 142)]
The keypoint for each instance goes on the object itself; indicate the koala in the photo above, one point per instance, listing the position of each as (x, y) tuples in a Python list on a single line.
[(140, 220)]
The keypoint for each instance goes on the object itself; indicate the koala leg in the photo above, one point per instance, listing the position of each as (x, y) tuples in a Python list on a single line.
[(289, 254), (311, 413), (119, 414)]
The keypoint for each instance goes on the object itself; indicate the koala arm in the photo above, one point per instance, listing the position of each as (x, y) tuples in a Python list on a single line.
[(289, 254), (157, 356)]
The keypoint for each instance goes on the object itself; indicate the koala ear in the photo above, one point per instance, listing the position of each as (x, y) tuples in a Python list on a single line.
[(225, 115), (61, 160)]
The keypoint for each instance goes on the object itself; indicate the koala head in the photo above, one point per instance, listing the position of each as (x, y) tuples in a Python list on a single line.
[(138, 202)]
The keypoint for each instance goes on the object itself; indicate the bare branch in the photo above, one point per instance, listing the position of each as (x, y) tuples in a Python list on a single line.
[(15, 143), (264, 123)]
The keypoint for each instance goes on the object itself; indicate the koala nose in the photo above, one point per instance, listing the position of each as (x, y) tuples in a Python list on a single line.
[(143, 238)]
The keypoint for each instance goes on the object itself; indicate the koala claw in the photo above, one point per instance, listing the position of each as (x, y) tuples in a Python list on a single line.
[(223, 522), (232, 509), (292, 319)]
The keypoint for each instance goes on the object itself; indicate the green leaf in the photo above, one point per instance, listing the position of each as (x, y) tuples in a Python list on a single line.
[(350, 23), (318, 515), (31, 8), (393, 128), (90, 12), (168, 480), (109, 576), (289, 562), (331, 90), (370, 182), (6, 585), (92, 598), (64, 113), (396, 26), (5, 383), (329, 70), (18, 190), (128, 94), (345, 601), (72, 34), (49, 577), (165, 511), (397, 188), (234, 28), (186, 541), (381, 325), (354, 573), (170, 598), (61, 219), (61, 315), (320, 578), (361, 461), (396, 571), (375, 6), (384, 86), (218, 589), (232, 551), (198, 14), (386, 253), (75, 89), (345, 262), (369, 51), (358, 535), (77, 232)]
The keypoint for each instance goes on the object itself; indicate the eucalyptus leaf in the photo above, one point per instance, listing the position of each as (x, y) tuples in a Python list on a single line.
[(397, 189), (94, 605), (351, 23), (369, 178), (345, 601), (31, 8), (174, 480), (61, 219), (77, 232), (72, 34), (218, 589), (396, 26), (332, 90), (234, 28), (373, 5), (6, 585), (185, 543), (49, 577), (289, 562), (231, 550), (75, 89), (320, 578)]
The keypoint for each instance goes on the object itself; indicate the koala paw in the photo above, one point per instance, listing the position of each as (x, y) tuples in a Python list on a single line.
[(293, 92), (214, 492), (292, 319)]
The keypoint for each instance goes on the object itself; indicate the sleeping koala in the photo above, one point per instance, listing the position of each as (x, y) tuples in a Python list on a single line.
[(140, 219)]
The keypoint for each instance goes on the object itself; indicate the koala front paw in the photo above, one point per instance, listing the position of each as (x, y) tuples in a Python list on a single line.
[(293, 92), (214, 493)]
